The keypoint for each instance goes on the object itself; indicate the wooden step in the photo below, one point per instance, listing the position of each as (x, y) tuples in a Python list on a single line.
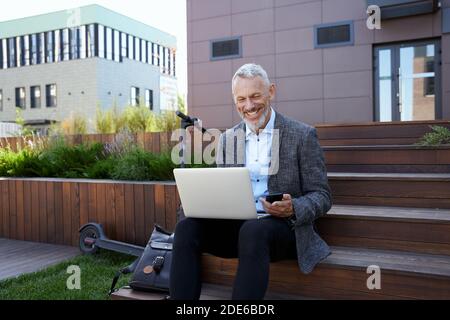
[(209, 292), (387, 159), (343, 275), (430, 190), (375, 133), (388, 228)]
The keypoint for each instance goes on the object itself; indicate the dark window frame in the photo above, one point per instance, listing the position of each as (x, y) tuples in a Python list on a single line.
[(394, 71), (1, 99), (49, 102), (334, 44), (233, 56), (35, 103), (21, 102)]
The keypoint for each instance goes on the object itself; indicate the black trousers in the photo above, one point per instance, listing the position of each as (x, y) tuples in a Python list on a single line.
[(255, 242)]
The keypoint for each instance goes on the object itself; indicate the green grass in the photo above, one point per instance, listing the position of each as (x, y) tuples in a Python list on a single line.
[(97, 272)]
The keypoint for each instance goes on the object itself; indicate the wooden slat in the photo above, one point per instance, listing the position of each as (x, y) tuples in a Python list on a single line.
[(382, 168), (92, 202), (20, 227), (155, 142), (35, 211), (171, 207), (139, 214), (27, 209), (101, 206), (119, 194), (51, 218), (160, 206), (130, 232), (75, 207), (43, 223), (149, 204), (67, 213), (59, 212), (110, 210), (84, 204), (12, 210)]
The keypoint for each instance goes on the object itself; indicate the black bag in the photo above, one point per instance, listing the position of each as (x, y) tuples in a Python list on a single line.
[(151, 271)]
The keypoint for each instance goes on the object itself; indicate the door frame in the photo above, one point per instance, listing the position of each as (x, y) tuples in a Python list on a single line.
[(395, 62)]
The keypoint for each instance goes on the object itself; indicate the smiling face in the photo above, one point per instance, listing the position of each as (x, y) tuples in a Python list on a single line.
[(252, 97)]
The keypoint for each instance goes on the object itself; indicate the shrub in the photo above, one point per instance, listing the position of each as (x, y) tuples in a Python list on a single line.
[(439, 135), (65, 161)]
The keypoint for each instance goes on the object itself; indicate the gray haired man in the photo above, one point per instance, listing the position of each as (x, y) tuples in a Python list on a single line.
[(288, 232)]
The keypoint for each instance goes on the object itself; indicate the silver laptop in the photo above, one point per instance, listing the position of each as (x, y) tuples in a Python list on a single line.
[(216, 193)]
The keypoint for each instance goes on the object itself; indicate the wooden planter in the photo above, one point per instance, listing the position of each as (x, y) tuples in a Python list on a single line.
[(53, 210)]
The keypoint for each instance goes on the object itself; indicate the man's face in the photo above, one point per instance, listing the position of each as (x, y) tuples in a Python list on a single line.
[(252, 97)]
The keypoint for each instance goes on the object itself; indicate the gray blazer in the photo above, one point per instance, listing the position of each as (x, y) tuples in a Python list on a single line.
[(301, 173)]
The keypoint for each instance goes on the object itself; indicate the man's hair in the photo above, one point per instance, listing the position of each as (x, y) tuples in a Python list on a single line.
[(249, 71)]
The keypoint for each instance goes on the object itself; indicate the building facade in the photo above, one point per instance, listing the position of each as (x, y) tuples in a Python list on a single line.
[(328, 65), (71, 62)]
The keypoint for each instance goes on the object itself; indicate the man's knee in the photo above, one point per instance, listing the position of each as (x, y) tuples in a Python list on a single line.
[(187, 230), (253, 236)]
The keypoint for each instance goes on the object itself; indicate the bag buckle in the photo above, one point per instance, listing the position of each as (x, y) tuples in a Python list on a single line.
[(158, 263)]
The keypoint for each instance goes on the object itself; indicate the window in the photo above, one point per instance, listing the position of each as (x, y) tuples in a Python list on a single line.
[(65, 44), (53, 46), (134, 96), (174, 69), (50, 95), (116, 46), (19, 55), (20, 97), (34, 49), (35, 96), (91, 41), (4, 45), (73, 39), (109, 44), (143, 51), (333, 34), (149, 53), (1, 54), (1, 100), (26, 43), (153, 53), (137, 50), (130, 47), (83, 42), (226, 48), (149, 99), (11, 53), (163, 65), (407, 78), (124, 43), (41, 46), (101, 41)]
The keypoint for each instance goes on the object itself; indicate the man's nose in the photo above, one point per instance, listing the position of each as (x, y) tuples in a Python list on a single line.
[(248, 104)]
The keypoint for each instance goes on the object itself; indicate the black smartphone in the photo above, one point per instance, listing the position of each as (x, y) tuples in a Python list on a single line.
[(274, 197)]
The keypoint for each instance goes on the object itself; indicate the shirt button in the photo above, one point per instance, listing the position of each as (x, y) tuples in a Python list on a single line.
[(256, 201), (256, 160), (257, 180)]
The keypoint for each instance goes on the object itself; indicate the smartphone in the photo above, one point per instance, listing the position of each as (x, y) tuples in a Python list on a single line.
[(271, 198)]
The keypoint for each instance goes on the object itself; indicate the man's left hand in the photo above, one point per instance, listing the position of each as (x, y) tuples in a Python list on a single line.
[(280, 209)]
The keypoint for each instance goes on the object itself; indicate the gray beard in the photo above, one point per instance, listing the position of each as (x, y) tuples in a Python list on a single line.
[(255, 127)]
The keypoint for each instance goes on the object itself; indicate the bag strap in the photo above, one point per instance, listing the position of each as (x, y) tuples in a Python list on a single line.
[(128, 269)]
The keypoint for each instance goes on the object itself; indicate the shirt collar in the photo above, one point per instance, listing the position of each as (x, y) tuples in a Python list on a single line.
[(267, 130)]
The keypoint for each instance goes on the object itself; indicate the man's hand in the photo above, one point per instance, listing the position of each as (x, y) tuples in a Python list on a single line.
[(280, 209)]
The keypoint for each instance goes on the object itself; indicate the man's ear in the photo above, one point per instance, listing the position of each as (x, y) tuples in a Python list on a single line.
[(272, 91)]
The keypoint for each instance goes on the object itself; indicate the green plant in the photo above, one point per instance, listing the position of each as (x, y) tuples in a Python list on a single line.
[(26, 130), (75, 124), (134, 165), (439, 135), (104, 121), (65, 161), (138, 118)]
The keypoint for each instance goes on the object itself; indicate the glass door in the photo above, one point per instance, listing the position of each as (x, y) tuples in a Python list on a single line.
[(407, 82)]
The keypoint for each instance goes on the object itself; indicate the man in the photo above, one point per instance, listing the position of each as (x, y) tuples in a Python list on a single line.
[(300, 174)]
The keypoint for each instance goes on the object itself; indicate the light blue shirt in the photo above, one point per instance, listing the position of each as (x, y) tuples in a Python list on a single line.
[(257, 159)]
